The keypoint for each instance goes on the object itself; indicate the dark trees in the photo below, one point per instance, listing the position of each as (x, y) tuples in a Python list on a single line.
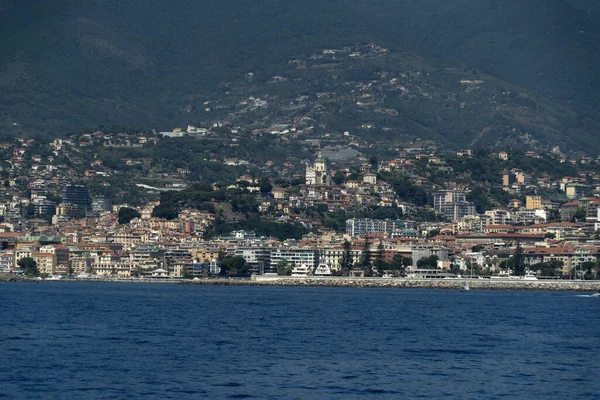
[(126, 214)]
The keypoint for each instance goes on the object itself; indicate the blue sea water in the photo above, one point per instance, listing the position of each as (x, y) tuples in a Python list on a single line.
[(62, 340)]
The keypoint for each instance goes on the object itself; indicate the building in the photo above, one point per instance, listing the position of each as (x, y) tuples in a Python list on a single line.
[(394, 228), (576, 190), (101, 204), (452, 204), (76, 194), (497, 216), (533, 202), (419, 252), (508, 179), (43, 207), (61, 254), (46, 262), (332, 257), (316, 173), (370, 178), (7, 262), (295, 256), (258, 258), (64, 212)]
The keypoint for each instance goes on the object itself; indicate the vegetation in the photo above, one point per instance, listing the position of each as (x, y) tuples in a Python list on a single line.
[(142, 86), (284, 268), (550, 268), (279, 230), (126, 214), (365, 258), (428, 262), (234, 266), (346, 262), (29, 266)]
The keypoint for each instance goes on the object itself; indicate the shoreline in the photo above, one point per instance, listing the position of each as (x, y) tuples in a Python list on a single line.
[(398, 283), (411, 283)]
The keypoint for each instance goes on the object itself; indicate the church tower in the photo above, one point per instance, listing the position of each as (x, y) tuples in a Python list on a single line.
[(316, 173)]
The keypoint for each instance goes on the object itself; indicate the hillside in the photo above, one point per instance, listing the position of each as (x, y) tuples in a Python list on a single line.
[(378, 94), (69, 65)]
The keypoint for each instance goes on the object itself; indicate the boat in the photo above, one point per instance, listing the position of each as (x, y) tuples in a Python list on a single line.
[(597, 294), (301, 270), (465, 288), (54, 278), (323, 270)]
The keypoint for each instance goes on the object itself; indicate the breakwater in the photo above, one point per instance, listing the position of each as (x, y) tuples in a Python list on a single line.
[(407, 283), (15, 278), (401, 283)]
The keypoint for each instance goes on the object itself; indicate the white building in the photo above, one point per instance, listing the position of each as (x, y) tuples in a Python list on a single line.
[(316, 173)]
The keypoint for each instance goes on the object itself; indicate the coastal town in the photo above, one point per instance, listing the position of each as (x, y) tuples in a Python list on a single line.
[(69, 210)]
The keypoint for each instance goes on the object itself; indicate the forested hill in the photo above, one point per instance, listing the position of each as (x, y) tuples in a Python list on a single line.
[(70, 64)]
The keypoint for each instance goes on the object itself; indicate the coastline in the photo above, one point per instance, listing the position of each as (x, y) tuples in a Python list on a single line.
[(407, 283), (398, 283)]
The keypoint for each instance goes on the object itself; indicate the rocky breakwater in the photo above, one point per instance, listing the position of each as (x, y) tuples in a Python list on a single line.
[(15, 278), (455, 284)]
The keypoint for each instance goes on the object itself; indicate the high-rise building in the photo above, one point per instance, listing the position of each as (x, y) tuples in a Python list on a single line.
[(76, 194), (452, 204)]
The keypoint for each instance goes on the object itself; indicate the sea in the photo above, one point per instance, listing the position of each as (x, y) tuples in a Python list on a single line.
[(98, 340)]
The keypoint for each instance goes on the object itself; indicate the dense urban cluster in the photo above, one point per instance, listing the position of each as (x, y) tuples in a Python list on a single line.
[(69, 209)]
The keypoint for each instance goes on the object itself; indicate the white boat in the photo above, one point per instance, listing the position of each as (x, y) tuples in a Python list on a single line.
[(465, 288), (323, 270), (54, 278), (301, 270)]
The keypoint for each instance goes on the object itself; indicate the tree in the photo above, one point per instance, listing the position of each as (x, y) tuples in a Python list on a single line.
[(588, 269), (365, 258), (428, 262), (284, 267), (346, 260), (400, 263), (265, 186), (126, 214), (338, 177), (165, 211), (29, 266), (185, 273), (477, 248), (549, 268), (579, 215), (432, 233), (518, 265), (53, 197), (221, 254), (379, 264), (234, 266), (373, 160)]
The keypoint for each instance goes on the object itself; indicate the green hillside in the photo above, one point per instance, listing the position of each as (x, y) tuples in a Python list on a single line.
[(70, 65)]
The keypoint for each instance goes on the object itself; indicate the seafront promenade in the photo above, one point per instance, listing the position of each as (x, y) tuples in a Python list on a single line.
[(400, 283)]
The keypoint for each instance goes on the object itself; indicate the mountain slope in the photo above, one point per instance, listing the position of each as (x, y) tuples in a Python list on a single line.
[(69, 65), (381, 94)]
